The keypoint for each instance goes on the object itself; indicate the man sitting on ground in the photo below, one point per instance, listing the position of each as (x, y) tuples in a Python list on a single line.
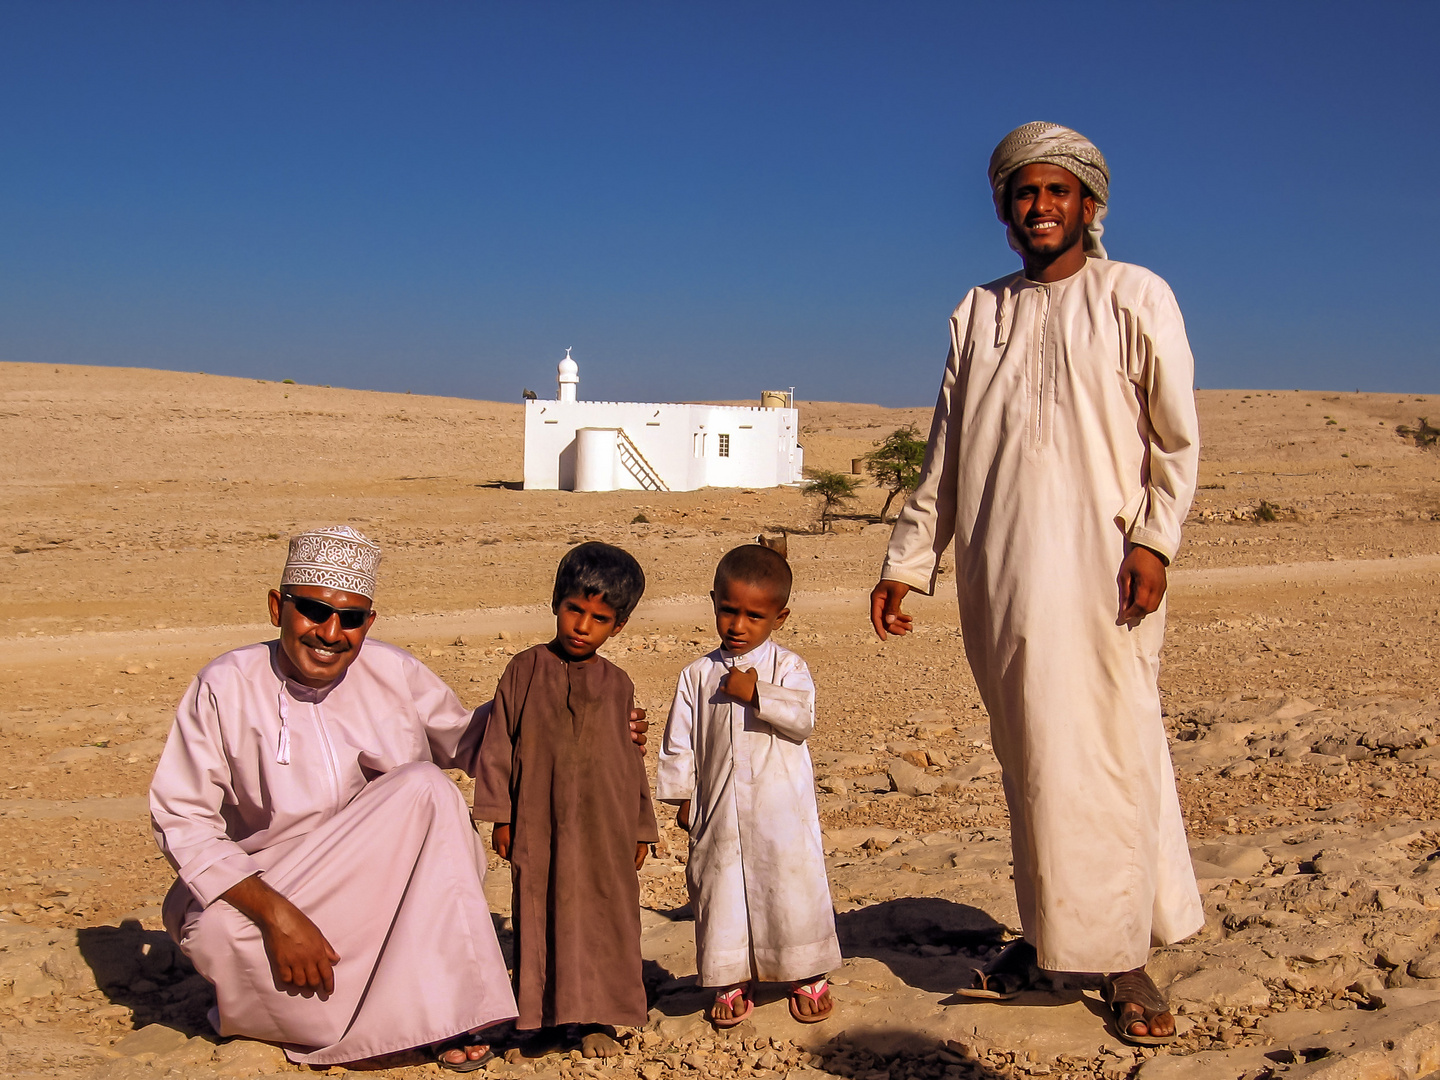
[(302, 786)]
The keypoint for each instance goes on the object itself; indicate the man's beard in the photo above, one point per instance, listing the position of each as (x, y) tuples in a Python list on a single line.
[(1073, 234)]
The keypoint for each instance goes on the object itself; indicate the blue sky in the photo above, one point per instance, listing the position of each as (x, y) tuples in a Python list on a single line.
[(704, 199)]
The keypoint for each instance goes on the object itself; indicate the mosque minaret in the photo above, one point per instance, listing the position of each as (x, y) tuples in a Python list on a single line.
[(568, 378)]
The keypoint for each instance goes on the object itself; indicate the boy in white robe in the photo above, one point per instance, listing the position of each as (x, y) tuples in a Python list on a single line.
[(734, 760)]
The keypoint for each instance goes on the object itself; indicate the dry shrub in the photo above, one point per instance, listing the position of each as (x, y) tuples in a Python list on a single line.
[(1425, 436)]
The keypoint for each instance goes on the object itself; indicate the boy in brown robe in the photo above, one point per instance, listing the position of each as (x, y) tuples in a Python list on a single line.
[(559, 776)]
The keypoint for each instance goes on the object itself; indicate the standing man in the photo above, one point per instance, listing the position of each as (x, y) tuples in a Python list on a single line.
[(330, 882), (1062, 460)]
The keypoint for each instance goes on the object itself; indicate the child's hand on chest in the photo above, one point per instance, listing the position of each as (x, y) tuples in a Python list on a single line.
[(739, 684)]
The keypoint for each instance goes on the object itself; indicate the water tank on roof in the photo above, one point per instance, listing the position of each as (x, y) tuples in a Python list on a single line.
[(774, 399)]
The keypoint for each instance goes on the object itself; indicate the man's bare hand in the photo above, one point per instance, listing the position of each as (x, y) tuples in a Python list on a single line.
[(741, 685), (500, 841), (641, 850), (885, 613), (1142, 584), (299, 954), (638, 726), (682, 814)]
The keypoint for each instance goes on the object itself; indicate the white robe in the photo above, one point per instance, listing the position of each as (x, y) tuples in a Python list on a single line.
[(757, 868), (1066, 432), (336, 797)]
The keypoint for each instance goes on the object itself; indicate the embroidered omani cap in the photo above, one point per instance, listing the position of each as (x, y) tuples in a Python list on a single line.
[(336, 557)]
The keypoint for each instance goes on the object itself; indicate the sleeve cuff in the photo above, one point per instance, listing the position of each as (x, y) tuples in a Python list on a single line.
[(495, 813), (1155, 541), (918, 582), (220, 877)]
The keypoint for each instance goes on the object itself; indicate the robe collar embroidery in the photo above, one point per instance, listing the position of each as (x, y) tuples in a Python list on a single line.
[(1005, 306)]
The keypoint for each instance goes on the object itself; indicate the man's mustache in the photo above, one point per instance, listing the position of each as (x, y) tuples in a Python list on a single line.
[(320, 643)]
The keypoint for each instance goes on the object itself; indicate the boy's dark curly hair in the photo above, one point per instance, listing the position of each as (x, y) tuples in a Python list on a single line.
[(596, 569)]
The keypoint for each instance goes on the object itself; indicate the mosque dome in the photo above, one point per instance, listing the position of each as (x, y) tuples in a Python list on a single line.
[(567, 378)]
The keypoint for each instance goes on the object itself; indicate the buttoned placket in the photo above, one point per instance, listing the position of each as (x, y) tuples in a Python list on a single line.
[(1041, 367)]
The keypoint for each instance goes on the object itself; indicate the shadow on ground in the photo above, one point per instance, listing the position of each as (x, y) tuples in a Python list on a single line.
[(928, 942), (860, 1050), (146, 972)]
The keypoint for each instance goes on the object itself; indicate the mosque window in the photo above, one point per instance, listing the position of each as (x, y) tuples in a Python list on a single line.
[(724, 445)]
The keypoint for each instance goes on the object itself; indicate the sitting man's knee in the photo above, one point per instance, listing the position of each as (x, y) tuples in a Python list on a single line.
[(422, 778)]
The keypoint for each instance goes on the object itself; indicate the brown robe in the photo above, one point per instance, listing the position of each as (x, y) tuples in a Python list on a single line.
[(558, 764)]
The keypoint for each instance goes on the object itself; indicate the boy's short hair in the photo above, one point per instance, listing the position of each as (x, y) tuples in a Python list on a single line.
[(756, 565), (596, 569)]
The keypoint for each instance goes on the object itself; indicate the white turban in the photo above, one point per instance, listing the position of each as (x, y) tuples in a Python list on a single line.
[(1053, 144), (337, 557)]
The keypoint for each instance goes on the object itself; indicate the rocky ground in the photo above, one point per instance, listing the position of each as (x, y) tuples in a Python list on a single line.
[(145, 518)]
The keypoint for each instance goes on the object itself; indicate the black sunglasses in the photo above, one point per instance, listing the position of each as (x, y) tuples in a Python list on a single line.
[(319, 612)]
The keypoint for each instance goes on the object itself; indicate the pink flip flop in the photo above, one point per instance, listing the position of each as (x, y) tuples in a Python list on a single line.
[(814, 991), (728, 999)]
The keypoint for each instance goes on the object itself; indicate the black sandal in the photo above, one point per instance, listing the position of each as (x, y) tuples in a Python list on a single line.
[(1006, 976), (1136, 988), (462, 1042)]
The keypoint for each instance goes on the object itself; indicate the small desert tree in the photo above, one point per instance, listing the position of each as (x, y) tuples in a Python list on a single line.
[(833, 487), (895, 463), (1425, 436)]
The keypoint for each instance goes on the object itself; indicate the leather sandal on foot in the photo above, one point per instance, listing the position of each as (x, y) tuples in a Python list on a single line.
[(463, 1043), (1136, 988), (812, 992), (1006, 976), (728, 998)]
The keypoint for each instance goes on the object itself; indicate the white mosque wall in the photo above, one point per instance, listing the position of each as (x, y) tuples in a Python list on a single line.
[(688, 446)]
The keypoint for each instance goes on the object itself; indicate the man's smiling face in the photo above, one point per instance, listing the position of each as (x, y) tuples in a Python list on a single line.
[(316, 653), (1049, 209)]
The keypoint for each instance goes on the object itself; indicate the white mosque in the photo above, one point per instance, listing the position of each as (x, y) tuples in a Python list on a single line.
[(578, 445)]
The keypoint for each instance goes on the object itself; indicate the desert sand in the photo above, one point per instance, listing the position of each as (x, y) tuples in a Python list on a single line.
[(145, 516)]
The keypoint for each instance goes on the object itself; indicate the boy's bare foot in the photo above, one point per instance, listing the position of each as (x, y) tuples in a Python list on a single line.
[(731, 1006), (599, 1042), (810, 1002)]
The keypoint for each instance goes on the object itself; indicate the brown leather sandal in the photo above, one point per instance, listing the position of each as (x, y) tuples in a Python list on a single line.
[(1008, 975), (1136, 988)]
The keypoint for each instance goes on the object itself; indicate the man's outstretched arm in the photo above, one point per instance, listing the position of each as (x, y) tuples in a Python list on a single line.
[(926, 523)]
